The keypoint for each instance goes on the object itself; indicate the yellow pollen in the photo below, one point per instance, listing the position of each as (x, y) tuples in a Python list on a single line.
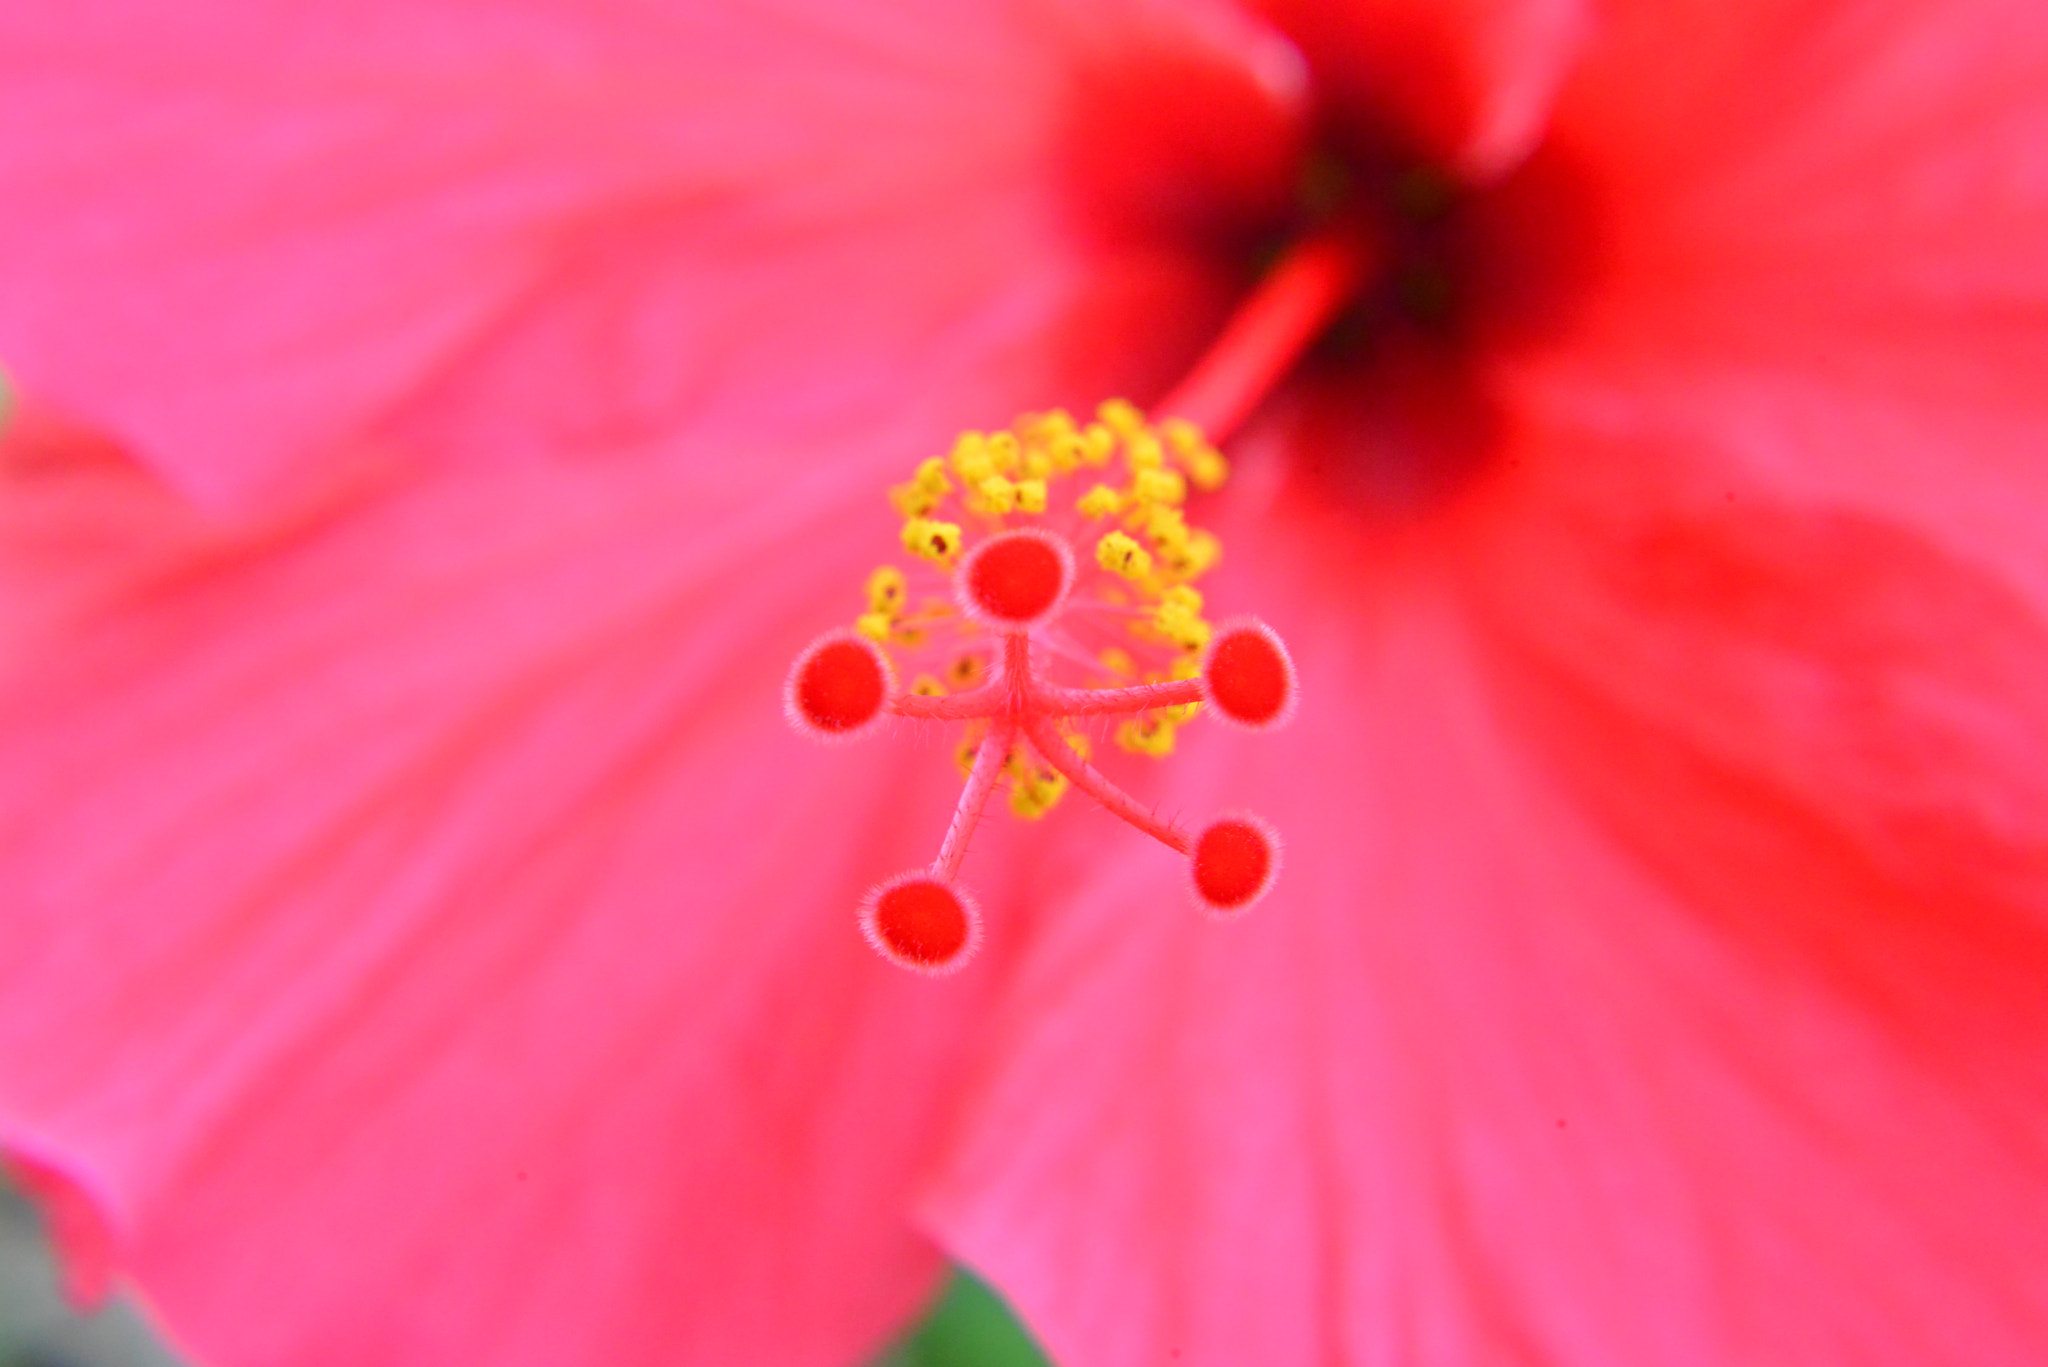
[(1031, 495), (1120, 555), (1160, 486), (994, 496), (925, 686), (1180, 626), (873, 625), (937, 542), (1121, 416), (971, 459), (1194, 557), (1165, 528), (925, 490), (1204, 463), (888, 591), (1098, 444), (1119, 663), (1004, 451), (1143, 451), (1101, 501), (1151, 734)]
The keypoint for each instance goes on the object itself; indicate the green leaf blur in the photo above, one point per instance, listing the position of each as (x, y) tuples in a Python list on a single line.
[(969, 1327)]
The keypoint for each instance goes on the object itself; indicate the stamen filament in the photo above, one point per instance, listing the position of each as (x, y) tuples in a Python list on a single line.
[(1084, 776), (1300, 297), (988, 768)]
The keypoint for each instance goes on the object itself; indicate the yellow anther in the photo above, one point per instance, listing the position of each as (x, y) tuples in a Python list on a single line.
[(1143, 452), (964, 672), (887, 591), (924, 491), (873, 625), (963, 753), (1031, 495), (1118, 662), (1205, 466), (925, 686), (1036, 794), (1182, 436), (1182, 596), (1101, 501), (1209, 470), (1164, 527), (971, 458), (1160, 486), (1004, 452), (1121, 416), (1195, 556), (1037, 788), (1049, 425), (1151, 734), (1120, 555), (1180, 626), (937, 542), (913, 499), (994, 495), (1098, 444)]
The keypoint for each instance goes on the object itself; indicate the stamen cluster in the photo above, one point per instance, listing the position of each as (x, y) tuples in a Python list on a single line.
[(1017, 585)]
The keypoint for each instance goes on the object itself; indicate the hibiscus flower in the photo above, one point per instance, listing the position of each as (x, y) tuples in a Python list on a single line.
[(425, 942)]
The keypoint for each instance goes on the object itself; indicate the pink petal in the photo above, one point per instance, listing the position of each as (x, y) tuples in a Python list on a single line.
[(1823, 232), (1476, 1084), (241, 244), (421, 905)]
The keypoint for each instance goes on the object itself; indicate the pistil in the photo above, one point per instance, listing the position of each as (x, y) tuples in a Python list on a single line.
[(1017, 581), (1306, 289)]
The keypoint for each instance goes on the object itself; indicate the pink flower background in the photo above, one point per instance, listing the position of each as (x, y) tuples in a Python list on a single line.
[(422, 941)]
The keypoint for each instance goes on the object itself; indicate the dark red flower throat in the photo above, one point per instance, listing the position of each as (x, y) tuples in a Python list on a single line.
[(1174, 155)]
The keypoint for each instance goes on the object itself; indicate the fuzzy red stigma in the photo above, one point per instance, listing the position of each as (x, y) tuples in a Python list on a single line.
[(838, 687), (1014, 580), (1247, 675), (1234, 862), (919, 922)]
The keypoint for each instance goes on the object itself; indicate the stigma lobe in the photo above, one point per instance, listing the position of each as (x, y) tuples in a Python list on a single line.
[(1235, 861), (1014, 580), (1248, 677), (838, 687), (919, 922)]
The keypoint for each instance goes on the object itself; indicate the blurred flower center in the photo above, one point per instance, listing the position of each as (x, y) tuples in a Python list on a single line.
[(1393, 411)]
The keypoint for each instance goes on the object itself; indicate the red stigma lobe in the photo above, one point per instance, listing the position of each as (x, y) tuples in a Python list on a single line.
[(920, 923), (1248, 676), (1234, 863), (1015, 579), (838, 687)]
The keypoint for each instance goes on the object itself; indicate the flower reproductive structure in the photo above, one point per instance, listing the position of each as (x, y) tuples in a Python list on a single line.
[(1025, 611)]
